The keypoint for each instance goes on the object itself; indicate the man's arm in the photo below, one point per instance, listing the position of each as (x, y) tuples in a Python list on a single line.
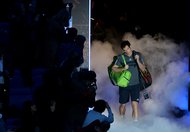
[(110, 113), (116, 68)]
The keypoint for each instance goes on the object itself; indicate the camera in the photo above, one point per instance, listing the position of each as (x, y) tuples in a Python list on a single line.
[(146, 95)]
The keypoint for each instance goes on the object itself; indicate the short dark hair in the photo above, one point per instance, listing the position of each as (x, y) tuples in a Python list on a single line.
[(100, 105), (124, 43)]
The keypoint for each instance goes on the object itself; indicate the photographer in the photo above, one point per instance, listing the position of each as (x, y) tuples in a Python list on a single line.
[(97, 114)]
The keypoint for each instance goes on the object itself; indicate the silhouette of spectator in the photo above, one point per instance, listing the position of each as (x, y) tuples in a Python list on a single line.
[(23, 38), (56, 29), (52, 123), (82, 96), (29, 119), (50, 7), (51, 17), (72, 91), (71, 34), (80, 40), (2, 124), (3, 127), (4, 86), (96, 114), (45, 96), (67, 47), (84, 85), (80, 43)]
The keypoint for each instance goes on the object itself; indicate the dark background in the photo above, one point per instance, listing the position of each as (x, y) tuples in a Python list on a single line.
[(169, 17)]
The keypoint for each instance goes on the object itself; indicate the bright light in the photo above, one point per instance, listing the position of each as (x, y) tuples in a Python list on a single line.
[(89, 19)]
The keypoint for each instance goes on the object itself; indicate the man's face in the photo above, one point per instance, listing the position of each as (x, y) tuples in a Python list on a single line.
[(127, 49)]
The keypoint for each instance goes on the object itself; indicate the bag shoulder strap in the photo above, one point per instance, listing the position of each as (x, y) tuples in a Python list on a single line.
[(123, 59), (133, 55)]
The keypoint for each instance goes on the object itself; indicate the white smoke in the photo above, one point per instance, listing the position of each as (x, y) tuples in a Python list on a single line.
[(168, 64)]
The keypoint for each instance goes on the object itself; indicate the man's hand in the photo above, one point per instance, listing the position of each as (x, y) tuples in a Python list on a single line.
[(107, 105), (137, 57), (126, 67), (141, 65)]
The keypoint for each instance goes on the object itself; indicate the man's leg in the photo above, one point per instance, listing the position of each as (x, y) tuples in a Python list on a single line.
[(122, 109), (123, 99), (135, 110)]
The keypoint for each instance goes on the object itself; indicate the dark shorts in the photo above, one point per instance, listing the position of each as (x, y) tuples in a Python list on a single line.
[(132, 92)]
